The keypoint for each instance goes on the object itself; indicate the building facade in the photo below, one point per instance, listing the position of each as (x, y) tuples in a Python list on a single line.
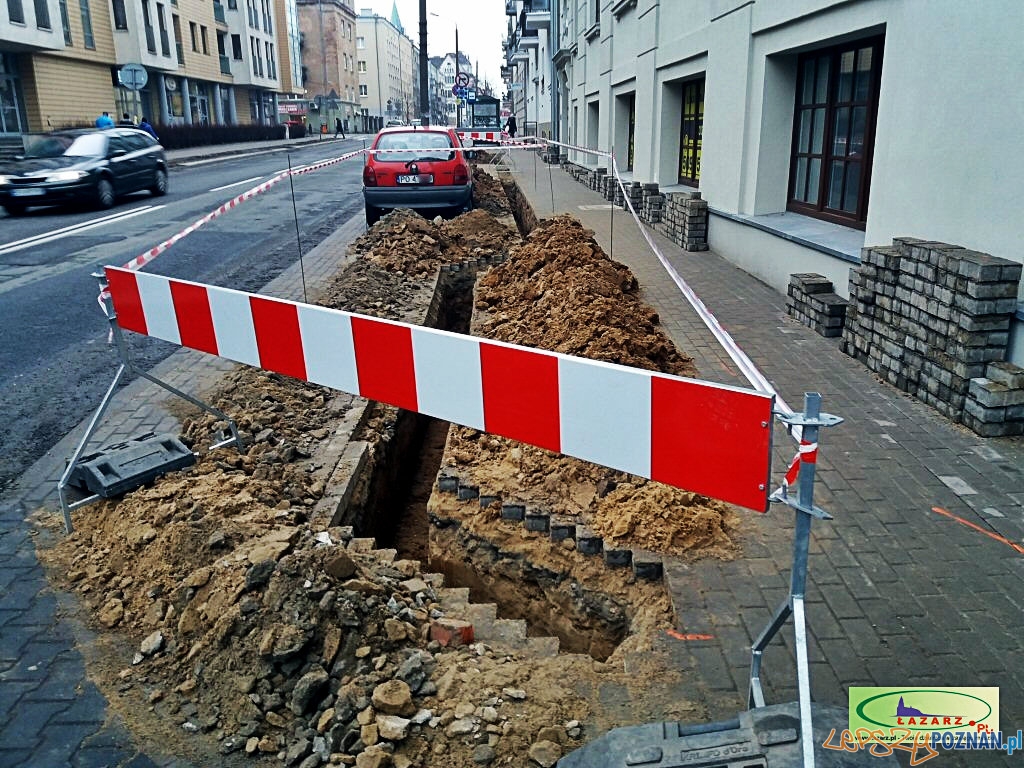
[(812, 128), (387, 64), (205, 62), (329, 56)]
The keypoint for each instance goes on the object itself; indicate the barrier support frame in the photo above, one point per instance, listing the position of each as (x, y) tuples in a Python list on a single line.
[(809, 422), (124, 368)]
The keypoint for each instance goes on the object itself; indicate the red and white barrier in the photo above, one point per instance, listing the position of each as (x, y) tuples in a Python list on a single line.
[(483, 135), (708, 438)]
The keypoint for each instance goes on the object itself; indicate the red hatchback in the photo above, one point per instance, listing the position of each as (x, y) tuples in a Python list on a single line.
[(416, 167)]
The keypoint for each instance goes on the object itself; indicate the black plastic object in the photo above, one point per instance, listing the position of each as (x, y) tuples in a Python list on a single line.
[(120, 467), (767, 737)]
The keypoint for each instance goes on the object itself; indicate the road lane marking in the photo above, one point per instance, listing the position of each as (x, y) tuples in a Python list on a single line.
[(236, 184), (58, 234), (70, 228)]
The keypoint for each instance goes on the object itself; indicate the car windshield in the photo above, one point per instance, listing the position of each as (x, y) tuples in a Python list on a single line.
[(418, 146), (87, 145)]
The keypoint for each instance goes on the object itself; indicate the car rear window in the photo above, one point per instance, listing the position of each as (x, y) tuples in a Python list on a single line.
[(415, 145)]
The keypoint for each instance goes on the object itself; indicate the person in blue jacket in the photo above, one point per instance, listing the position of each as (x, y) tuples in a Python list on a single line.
[(105, 121), (145, 126)]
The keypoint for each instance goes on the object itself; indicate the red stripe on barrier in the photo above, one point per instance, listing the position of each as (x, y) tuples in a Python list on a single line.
[(521, 395), (734, 467), (195, 321), (127, 302), (384, 362), (277, 336)]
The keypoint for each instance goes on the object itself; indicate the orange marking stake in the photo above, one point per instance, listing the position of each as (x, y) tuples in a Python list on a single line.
[(689, 636), (1011, 544)]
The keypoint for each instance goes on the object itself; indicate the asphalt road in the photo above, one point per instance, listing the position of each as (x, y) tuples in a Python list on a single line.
[(55, 362)]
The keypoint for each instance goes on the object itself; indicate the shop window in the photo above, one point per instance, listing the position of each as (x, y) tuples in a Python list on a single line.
[(691, 132), (834, 131)]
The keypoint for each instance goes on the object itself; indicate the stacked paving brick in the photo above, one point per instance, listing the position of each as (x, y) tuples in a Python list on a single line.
[(995, 402), (652, 204), (685, 220), (812, 301), (928, 317)]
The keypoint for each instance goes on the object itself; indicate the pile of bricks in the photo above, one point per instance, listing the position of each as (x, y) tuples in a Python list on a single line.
[(685, 220), (995, 402), (928, 317), (812, 300), (652, 204)]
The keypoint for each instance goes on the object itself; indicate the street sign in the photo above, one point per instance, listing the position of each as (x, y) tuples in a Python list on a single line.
[(462, 79), (471, 95), (133, 76)]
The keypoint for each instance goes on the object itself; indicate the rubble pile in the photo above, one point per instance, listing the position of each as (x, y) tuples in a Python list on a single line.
[(559, 291)]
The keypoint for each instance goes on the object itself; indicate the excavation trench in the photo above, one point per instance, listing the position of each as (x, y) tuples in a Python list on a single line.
[(402, 477)]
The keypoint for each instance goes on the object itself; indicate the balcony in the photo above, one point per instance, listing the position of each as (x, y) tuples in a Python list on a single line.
[(218, 14), (538, 20), (225, 65), (529, 41)]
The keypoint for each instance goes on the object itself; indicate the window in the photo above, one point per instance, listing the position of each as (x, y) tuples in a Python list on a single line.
[(205, 40), (193, 31), (362, 90), (362, 66), (833, 131), (15, 12), (65, 21), (233, 5), (360, 42), (147, 22), (236, 47), (271, 64), (178, 47), (120, 17), (165, 45), (87, 38), (691, 133), (42, 14)]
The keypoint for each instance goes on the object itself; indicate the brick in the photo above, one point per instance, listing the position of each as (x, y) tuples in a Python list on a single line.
[(451, 632)]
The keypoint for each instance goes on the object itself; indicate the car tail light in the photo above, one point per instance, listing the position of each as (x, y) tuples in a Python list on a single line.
[(461, 175), (369, 177)]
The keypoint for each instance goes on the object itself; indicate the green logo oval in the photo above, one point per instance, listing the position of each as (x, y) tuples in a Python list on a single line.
[(882, 709)]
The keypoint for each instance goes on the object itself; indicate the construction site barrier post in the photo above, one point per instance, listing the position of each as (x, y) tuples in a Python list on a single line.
[(126, 367), (811, 421)]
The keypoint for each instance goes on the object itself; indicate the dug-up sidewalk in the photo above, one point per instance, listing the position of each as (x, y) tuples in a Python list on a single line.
[(898, 595)]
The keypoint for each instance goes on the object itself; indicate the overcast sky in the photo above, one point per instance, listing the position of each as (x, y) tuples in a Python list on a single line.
[(482, 27)]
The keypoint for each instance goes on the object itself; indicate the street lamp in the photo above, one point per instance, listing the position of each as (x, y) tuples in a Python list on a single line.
[(458, 69)]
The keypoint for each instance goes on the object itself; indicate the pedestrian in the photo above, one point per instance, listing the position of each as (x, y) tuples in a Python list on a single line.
[(105, 121), (145, 126), (338, 128), (126, 121), (510, 126)]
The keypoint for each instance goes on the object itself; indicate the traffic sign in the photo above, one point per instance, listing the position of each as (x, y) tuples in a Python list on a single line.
[(462, 79), (133, 76), (471, 95)]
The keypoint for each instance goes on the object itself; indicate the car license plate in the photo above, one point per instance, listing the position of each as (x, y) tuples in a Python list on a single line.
[(422, 178), (29, 192)]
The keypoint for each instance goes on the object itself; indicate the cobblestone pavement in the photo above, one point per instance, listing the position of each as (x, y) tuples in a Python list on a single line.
[(51, 714), (898, 595)]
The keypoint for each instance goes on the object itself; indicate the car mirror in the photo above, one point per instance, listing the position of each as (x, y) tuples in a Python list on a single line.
[(117, 153)]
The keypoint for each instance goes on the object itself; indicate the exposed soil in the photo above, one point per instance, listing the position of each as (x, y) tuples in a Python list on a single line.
[(237, 628)]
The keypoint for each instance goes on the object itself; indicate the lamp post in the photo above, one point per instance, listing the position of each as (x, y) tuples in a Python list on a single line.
[(424, 93)]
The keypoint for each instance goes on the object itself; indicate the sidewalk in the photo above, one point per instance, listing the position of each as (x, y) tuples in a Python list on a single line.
[(898, 594), (247, 148)]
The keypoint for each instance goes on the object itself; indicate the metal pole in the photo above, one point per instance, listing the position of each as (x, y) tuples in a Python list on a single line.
[(458, 70), (424, 94)]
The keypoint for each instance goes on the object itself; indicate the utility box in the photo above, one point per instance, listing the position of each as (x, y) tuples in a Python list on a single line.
[(766, 737), (121, 467)]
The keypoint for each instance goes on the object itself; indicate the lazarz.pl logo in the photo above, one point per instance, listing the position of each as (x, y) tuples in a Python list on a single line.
[(925, 709)]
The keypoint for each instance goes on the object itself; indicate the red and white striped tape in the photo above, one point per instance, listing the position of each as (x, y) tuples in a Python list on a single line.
[(145, 258), (707, 438), (806, 453), (483, 135)]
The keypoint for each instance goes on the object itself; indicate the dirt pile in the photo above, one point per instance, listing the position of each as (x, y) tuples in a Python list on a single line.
[(404, 243), (559, 291), (488, 193)]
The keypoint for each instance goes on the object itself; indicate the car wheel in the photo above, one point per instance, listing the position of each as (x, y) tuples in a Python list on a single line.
[(159, 188), (14, 209), (104, 193), (372, 215)]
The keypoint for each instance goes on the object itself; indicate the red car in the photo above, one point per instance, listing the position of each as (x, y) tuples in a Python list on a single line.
[(416, 167)]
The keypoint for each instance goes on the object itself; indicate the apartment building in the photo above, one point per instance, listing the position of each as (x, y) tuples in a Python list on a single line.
[(329, 57), (206, 62), (811, 127), (388, 67)]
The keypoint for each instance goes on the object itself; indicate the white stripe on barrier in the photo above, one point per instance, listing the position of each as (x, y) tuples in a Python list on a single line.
[(232, 322), (329, 350), (159, 308), (449, 386), (606, 414)]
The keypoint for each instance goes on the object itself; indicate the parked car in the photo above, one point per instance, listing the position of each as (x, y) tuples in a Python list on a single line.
[(94, 166), (420, 169)]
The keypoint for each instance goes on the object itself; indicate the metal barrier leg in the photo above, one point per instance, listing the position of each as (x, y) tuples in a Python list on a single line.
[(125, 368), (811, 420)]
